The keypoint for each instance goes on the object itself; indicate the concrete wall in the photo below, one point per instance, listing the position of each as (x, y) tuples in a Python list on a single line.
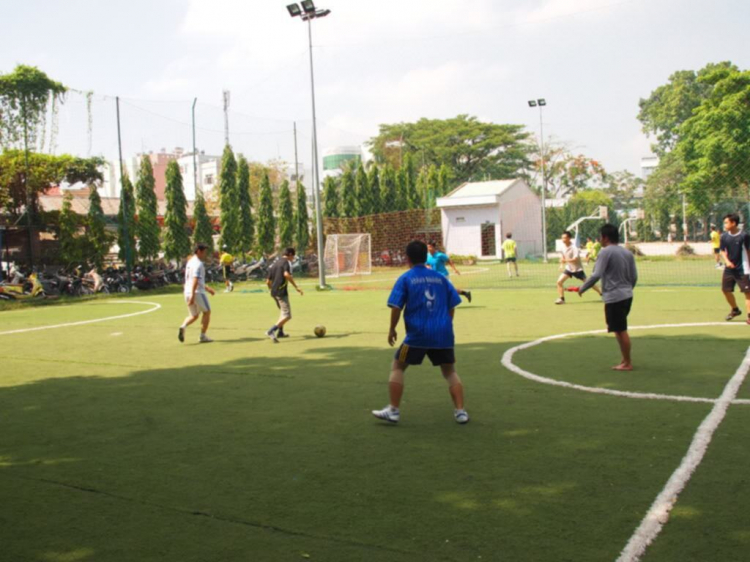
[(521, 215), (462, 229)]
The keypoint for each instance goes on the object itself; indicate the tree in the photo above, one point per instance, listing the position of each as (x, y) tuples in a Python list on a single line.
[(473, 150), (229, 202), (301, 221), (45, 171), (402, 190), (714, 143), (247, 224), (623, 188), (126, 221), (413, 196), (331, 197), (373, 182), (431, 183), (286, 216), (24, 95), (204, 231), (568, 174), (363, 193), (176, 239), (70, 246), (98, 239), (147, 225), (444, 180), (670, 105), (266, 220), (349, 204), (389, 190)]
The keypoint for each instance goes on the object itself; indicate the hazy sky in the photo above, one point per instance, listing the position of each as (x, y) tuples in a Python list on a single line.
[(376, 62)]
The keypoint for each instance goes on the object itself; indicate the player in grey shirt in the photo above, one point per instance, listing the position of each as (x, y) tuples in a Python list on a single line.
[(615, 266)]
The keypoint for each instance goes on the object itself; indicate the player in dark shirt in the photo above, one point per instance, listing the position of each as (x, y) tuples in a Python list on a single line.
[(279, 277), (735, 251)]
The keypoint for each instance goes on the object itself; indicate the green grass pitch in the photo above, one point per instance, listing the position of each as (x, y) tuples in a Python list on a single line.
[(118, 443)]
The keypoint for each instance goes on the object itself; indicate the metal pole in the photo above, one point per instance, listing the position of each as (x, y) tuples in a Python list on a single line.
[(544, 188), (296, 160), (226, 117), (316, 187), (29, 208), (195, 165), (123, 200)]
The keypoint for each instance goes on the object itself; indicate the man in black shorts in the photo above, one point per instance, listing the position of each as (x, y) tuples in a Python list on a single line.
[(428, 302), (615, 266), (735, 250), (570, 265)]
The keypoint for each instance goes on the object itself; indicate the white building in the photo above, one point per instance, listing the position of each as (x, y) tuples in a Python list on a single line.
[(476, 217), (648, 165), (207, 172)]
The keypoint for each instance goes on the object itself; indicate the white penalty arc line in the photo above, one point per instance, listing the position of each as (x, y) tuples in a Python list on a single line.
[(658, 514), (154, 308), (507, 362)]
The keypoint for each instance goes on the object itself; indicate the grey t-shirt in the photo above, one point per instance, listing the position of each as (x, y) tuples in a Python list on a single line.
[(615, 266)]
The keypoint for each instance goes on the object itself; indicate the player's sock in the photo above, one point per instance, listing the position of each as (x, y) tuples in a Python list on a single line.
[(273, 329)]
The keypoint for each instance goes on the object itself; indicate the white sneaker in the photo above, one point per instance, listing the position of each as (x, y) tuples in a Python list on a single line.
[(205, 339), (461, 416), (388, 414), (560, 301)]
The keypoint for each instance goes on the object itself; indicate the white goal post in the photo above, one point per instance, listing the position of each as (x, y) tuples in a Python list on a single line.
[(348, 254)]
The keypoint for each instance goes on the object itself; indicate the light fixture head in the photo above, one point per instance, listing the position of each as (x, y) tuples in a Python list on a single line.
[(532, 103), (542, 102), (308, 6), (322, 13), (294, 10)]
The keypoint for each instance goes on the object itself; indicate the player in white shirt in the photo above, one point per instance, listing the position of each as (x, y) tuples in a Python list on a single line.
[(195, 294), (571, 266)]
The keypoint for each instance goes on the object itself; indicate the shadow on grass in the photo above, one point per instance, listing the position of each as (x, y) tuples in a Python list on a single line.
[(278, 458)]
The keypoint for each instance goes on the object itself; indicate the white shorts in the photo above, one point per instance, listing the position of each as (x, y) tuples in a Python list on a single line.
[(200, 304)]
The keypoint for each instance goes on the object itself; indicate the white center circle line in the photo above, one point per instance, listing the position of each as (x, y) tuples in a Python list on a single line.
[(507, 362)]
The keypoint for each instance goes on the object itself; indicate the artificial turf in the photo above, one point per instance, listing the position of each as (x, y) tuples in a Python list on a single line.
[(121, 444)]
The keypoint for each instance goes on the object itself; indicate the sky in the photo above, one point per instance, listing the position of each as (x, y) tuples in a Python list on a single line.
[(375, 62)]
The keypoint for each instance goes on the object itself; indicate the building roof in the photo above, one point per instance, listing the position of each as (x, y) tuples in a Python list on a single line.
[(482, 188), (483, 193), (110, 205)]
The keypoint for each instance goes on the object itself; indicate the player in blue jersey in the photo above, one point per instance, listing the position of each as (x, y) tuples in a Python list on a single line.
[(437, 260), (428, 302)]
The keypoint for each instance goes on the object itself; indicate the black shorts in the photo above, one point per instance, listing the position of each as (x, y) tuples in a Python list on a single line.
[(577, 274), (732, 278), (415, 355), (510, 260), (616, 314), (227, 269), (717, 250)]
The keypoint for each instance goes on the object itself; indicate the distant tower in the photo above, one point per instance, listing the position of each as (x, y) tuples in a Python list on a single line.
[(226, 117)]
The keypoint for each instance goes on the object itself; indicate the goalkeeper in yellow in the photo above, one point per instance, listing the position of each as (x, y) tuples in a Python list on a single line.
[(509, 253)]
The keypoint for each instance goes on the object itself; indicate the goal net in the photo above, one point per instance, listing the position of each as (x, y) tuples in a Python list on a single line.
[(348, 254)]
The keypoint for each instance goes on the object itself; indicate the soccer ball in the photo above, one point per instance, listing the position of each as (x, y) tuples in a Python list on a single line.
[(320, 331)]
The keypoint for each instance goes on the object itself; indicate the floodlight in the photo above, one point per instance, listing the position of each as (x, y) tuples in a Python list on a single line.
[(308, 6), (294, 10), (532, 103), (542, 102), (322, 13)]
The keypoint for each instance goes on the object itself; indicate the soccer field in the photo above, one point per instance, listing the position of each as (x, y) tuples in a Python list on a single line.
[(121, 444)]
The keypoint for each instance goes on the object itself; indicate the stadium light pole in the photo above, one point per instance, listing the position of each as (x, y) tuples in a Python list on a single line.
[(308, 12), (540, 103)]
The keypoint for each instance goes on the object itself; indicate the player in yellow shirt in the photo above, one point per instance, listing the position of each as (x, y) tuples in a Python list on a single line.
[(716, 245), (593, 247), (226, 260), (509, 251)]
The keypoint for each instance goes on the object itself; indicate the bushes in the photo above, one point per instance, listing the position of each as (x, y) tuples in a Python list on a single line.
[(685, 250)]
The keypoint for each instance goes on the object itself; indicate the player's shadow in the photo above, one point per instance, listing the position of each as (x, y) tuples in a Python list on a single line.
[(276, 453)]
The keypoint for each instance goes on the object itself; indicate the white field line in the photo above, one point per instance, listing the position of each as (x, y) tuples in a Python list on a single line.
[(155, 307), (658, 515), (507, 362)]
